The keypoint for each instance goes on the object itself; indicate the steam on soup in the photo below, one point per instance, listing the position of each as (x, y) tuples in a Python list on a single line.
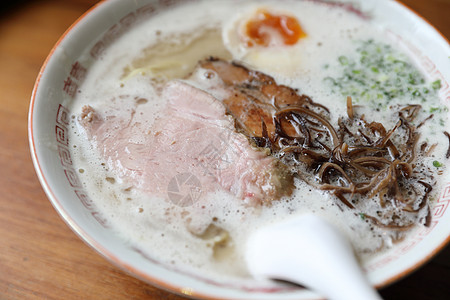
[(202, 124)]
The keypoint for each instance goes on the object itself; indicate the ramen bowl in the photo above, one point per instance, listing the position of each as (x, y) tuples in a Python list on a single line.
[(49, 122)]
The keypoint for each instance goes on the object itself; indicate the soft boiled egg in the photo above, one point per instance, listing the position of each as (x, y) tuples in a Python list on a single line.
[(265, 39)]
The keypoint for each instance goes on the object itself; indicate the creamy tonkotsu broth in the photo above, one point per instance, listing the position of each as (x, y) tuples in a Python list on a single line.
[(206, 233)]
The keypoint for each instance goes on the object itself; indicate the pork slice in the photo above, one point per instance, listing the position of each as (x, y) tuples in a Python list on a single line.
[(235, 74), (193, 138), (254, 97)]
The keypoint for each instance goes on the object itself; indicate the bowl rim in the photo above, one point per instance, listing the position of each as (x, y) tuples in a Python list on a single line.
[(108, 255)]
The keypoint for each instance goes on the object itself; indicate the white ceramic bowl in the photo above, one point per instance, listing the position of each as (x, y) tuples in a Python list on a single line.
[(48, 125)]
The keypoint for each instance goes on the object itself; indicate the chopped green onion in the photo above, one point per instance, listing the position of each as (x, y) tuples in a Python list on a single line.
[(329, 80), (378, 74), (433, 109), (436, 84), (343, 60), (437, 164)]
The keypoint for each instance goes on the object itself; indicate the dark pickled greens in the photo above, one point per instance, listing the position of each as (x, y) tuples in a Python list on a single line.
[(358, 161)]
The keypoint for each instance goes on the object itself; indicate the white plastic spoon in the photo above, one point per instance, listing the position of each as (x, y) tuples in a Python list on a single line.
[(309, 251)]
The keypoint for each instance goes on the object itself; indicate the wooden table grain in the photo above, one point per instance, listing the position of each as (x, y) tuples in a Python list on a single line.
[(40, 257)]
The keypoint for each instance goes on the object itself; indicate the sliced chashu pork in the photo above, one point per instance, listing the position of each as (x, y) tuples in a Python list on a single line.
[(253, 97), (193, 136)]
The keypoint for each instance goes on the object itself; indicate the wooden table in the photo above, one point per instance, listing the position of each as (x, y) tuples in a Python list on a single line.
[(40, 257)]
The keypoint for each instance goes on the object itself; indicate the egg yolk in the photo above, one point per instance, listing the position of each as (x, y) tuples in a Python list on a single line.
[(261, 29)]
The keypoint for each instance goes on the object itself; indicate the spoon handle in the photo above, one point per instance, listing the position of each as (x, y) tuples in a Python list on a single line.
[(310, 252)]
